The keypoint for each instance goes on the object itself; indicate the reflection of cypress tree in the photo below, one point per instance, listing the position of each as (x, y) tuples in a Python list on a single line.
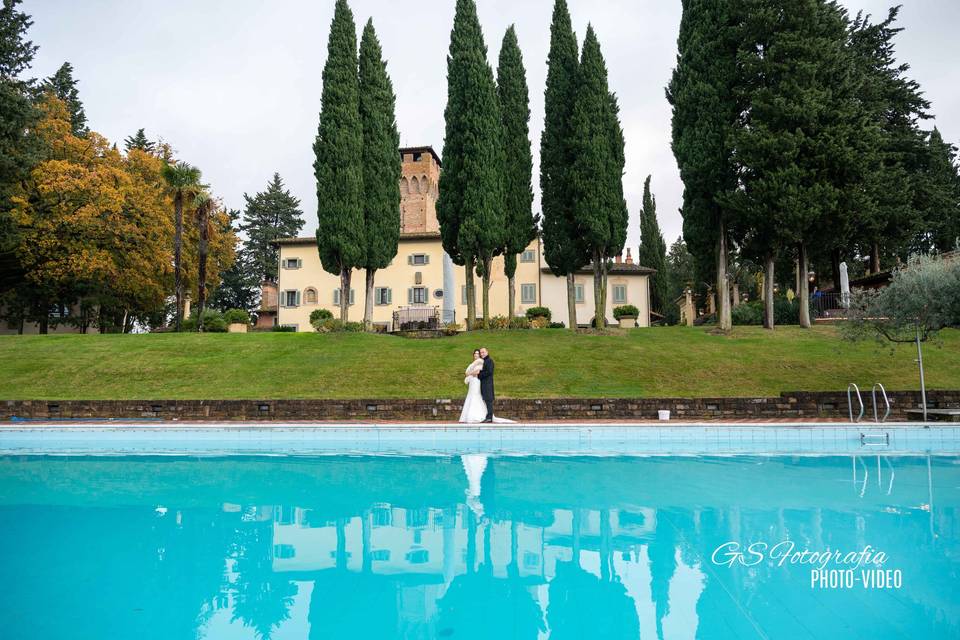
[(354, 605), (262, 598), (663, 563), (584, 606)]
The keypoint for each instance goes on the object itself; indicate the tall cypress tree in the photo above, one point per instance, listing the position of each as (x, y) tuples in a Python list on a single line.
[(269, 215), (64, 86), (705, 110), (653, 250), (520, 223), (139, 141), (597, 173), (563, 249), (381, 163), (941, 188), (339, 158), (470, 207)]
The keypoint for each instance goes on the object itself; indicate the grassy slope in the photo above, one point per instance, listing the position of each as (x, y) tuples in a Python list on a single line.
[(672, 361)]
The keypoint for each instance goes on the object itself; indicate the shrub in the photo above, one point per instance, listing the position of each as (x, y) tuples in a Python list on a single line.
[(329, 325), (319, 316), (353, 327), (539, 312), (451, 329), (556, 325), (520, 323), (748, 313), (279, 328), (236, 316), (539, 323), (498, 323), (213, 322), (626, 311)]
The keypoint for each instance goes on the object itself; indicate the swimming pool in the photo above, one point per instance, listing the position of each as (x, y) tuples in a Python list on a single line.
[(245, 536)]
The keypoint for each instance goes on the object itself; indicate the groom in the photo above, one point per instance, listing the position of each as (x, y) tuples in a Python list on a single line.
[(486, 382)]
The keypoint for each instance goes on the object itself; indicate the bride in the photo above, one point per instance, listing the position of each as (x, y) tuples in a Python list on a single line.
[(474, 408)]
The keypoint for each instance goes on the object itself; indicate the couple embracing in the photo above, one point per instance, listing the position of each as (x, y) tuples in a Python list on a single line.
[(478, 405)]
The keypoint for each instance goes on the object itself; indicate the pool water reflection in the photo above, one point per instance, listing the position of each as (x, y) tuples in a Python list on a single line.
[(470, 547)]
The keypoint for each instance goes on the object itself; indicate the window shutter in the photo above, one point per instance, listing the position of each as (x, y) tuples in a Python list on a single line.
[(410, 295), (389, 296), (336, 297), (352, 297), (299, 263), (426, 258), (410, 259), (298, 299)]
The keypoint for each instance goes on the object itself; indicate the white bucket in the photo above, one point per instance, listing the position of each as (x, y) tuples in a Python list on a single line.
[(664, 414)]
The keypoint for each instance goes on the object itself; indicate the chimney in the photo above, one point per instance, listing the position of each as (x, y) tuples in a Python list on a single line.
[(629, 259), (617, 259)]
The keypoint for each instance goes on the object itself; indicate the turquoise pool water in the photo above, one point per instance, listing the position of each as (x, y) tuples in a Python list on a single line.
[(477, 546)]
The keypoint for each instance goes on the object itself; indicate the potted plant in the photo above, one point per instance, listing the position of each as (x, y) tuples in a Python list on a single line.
[(238, 320), (626, 315)]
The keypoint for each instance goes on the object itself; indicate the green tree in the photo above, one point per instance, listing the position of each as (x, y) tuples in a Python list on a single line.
[(205, 207), (64, 86), (183, 181), (381, 163), (597, 173), (238, 287), (653, 251), (267, 216), (470, 207), (520, 223), (140, 141), (705, 110), (339, 158), (563, 250), (941, 188)]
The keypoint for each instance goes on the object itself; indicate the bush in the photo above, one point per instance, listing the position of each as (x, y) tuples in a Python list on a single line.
[(671, 314), (520, 323), (498, 323), (213, 322), (539, 322), (626, 311), (353, 327), (329, 325), (319, 316), (279, 328), (556, 325), (748, 313), (451, 329), (236, 316), (539, 312)]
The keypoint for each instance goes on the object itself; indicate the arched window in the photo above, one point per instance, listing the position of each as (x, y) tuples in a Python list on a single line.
[(404, 187), (309, 296), (414, 185)]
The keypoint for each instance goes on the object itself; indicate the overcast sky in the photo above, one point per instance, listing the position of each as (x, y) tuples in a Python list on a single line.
[(234, 85)]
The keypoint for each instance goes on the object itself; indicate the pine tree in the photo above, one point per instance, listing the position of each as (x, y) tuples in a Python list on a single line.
[(653, 251), (267, 216), (381, 163), (705, 110), (597, 173), (139, 141), (563, 250), (64, 86), (470, 207), (941, 188), (238, 287), (339, 158), (520, 223)]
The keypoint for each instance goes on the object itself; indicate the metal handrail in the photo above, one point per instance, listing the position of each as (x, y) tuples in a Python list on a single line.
[(886, 401), (850, 401)]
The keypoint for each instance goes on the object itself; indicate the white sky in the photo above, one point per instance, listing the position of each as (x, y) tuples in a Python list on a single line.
[(234, 85)]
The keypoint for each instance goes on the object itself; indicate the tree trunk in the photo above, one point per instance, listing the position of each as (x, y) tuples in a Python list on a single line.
[(768, 265), (724, 320), (368, 301), (598, 311), (471, 295), (511, 296), (875, 258), (572, 301), (487, 266), (123, 325), (603, 290), (177, 250), (804, 289), (43, 327), (734, 295), (202, 264), (345, 294), (835, 267)]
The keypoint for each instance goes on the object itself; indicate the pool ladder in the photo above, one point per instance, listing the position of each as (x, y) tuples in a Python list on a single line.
[(870, 439)]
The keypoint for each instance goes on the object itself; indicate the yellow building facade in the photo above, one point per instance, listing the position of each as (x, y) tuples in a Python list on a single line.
[(422, 275)]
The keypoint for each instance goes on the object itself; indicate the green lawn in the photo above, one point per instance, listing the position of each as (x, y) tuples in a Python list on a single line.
[(673, 361)]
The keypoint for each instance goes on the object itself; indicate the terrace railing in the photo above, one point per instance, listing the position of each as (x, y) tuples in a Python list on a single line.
[(830, 305), (417, 319)]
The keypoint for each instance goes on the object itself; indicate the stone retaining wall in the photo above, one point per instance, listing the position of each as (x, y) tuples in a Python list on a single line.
[(789, 405)]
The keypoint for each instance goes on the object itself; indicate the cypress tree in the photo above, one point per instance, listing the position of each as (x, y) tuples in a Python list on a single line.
[(942, 195), (470, 207), (520, 224), (339, 157), (64, 86), (267, 216), (705, 110), (381, 163), (597, 173), (139, 141), (563, 250), (653, 251)]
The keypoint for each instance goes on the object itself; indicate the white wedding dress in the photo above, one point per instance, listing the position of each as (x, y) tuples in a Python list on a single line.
[(474, 408)]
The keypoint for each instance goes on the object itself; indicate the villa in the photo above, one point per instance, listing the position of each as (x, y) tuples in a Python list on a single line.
[(422, 281)]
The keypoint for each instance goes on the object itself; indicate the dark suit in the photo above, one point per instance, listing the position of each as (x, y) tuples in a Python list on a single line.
[(486, 385)]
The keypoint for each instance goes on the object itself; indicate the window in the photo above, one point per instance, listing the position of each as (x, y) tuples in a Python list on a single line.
[(336, 297), (418, 259), (528, 256), (284, 551), (382, 296), (531, 561), (619, 293), (380, 555), (292, 263), (463, 294), (417, 295), (578, 293), (290, 298), (528, 294), (310, 296), (382, 516), (418, 556)]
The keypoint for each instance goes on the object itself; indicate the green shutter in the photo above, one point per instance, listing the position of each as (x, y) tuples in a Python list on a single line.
[(389, 296)]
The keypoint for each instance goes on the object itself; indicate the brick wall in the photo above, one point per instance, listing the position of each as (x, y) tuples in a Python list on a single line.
[(790, 405)]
